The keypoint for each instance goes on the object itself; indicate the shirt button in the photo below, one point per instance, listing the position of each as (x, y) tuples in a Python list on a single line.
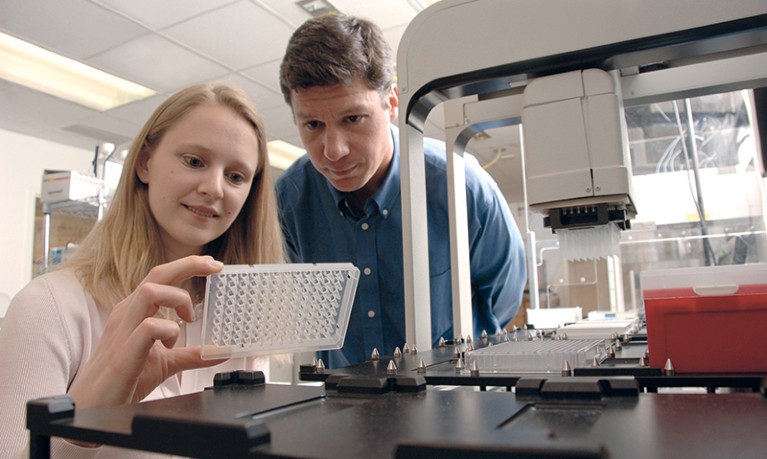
[(365, 226), (371, 313), (385, 212), (367, 271)]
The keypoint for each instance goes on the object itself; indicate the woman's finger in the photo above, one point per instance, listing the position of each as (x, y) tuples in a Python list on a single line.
[(177, 271), (147, 299), (145, 335)]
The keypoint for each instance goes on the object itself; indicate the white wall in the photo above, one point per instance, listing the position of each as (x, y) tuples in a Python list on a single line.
[(22, 162)]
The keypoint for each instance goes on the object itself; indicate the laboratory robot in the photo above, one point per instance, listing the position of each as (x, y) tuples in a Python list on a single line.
[(565, 71)]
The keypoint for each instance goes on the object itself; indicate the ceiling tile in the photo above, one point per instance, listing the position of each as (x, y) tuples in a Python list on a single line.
[(385, 14), (170, 44), (268, 74), (279, 122), (288, 10), (158, 15), (40, 115), (238, 36), (262, 97), (157, 63), (139, 111), (32, 106), (97, 133), (74, 28), (116, 127)]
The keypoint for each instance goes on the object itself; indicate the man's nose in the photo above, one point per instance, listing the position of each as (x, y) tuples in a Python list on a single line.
[(336, 145)]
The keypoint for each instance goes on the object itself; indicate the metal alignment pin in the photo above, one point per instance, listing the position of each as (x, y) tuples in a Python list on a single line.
[(514, 328), (668, 369), (564, 335), (618, 345), (406, 348), (497, 332), (397, 352), (483, 335), (505, 338), (414, 349), (642, 361), (611, 351), (442, 342), (459, 365), (474, 368), (567, 370), (421, 366), (469, 347), (391, 369), (320, 367), (595, 362), (529, 336), (375, 355), (515, 338), (457, 351), (468, 338)]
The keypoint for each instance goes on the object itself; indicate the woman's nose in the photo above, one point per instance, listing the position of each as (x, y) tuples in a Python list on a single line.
[(212, 184)]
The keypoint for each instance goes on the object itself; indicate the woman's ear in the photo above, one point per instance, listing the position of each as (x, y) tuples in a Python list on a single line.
[(142, 166)]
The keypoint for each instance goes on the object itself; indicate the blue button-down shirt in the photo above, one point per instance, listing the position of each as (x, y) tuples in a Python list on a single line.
[(319, 227)]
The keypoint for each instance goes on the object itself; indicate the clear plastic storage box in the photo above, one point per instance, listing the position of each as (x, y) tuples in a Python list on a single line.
[(271, 309)]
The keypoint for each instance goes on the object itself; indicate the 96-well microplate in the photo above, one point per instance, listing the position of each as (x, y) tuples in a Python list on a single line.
[(271, 309)]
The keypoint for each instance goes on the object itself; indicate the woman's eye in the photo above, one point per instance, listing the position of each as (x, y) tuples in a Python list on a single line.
[(236, 177), (193, 161)]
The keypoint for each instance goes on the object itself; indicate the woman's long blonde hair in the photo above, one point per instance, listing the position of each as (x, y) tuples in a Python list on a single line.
[(122, 247)]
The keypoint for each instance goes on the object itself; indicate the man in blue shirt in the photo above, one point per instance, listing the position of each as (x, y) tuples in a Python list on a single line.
[(341, 202)]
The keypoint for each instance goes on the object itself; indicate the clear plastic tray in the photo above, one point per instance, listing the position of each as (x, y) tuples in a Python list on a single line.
[(271, 309), (539, 356)]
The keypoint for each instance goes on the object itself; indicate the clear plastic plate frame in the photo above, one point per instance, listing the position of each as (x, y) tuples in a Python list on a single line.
[(272, 309)]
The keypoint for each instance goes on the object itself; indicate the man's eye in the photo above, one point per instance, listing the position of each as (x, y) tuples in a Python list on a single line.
[(354, 118), (312, 125)]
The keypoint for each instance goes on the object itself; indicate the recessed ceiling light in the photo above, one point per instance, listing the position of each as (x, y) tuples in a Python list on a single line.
[(37, 68), (317, 7), (282, 154)]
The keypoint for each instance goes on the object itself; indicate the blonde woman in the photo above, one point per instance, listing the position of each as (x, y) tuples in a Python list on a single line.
[(117, 323)]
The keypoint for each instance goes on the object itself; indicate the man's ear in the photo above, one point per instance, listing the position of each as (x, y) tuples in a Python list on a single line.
[(393, 99), (142, 165)]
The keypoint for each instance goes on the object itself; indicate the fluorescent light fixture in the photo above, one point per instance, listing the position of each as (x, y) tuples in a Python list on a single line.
[(34, 67), (282, 154)]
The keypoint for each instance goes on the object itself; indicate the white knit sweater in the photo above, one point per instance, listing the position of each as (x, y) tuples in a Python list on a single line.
[(49, 332)]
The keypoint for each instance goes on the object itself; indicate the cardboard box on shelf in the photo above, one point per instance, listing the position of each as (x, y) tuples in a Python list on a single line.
[(69, 186)]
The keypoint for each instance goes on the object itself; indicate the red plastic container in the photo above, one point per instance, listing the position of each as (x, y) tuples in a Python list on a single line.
[(707, 320)]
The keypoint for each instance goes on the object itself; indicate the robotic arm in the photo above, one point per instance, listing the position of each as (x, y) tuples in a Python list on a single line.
[(564, 70)]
